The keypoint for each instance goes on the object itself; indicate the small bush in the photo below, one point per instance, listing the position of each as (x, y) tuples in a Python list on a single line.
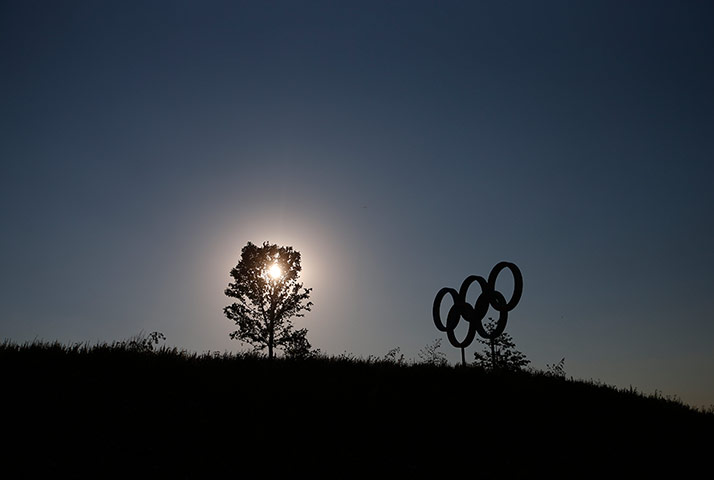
[(432, 355)]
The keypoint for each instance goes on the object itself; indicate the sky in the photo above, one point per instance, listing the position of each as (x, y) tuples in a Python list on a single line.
[(400, 146)]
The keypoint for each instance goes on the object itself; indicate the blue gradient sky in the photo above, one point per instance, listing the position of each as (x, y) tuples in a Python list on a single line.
[(400, 146)]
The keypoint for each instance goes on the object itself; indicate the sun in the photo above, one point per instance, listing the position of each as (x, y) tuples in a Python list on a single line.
[(275, 271)]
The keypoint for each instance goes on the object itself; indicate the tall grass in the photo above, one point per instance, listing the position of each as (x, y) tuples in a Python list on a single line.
[(144, 347)]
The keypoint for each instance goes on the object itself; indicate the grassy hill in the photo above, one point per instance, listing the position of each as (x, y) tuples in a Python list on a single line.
[(120, 410)]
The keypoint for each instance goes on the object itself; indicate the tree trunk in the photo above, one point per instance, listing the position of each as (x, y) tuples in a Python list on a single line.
[(271, 329)]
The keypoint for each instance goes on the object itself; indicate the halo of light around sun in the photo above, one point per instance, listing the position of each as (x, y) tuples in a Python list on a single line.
[(275, 271)]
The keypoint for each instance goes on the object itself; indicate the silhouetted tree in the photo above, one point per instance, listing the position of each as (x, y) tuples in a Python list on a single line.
[(269, 295), (500, 352)]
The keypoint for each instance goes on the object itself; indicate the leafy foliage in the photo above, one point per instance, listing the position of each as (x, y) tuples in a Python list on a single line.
[(499, 353), (266, 304)]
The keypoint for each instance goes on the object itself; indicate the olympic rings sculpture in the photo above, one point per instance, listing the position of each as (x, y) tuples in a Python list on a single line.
[(474, 315)]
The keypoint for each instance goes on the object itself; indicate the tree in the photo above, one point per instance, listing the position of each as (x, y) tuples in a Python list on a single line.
[(500, 352), (269, 295)]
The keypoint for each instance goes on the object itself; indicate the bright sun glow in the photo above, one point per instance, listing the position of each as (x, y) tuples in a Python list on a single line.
[(274, 271)]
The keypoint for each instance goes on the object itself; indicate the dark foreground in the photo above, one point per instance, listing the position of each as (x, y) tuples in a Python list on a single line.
[(110, 413)]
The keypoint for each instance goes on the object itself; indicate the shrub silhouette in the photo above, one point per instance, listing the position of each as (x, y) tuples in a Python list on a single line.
[(142, 342), (395, 356), (500, 353), (432, 355)]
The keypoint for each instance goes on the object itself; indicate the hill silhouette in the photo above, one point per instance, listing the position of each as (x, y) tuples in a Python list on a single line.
[(118, 410)]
